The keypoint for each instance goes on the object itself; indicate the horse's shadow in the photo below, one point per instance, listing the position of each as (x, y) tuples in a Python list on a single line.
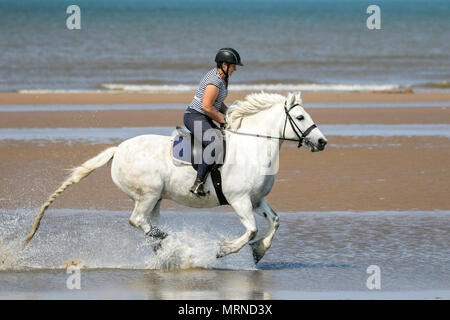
[(299, 265)]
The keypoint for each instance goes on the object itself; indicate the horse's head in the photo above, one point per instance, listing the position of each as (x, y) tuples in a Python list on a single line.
[(300, 126)]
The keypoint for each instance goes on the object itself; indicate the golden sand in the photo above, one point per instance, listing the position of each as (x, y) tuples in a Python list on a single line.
[(364, 173), (147, 118)]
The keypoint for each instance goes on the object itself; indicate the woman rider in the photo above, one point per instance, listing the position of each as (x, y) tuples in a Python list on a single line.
[(208, 105)]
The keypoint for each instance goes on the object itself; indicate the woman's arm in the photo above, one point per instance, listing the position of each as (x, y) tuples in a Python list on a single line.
[(223, 108), (209, 97)]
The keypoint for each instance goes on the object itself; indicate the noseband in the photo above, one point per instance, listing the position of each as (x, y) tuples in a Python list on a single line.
[(301, 135)]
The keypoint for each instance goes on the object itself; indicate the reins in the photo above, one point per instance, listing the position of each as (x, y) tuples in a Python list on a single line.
[(301, 135)]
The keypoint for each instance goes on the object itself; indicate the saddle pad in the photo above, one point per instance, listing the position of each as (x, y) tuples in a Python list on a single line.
[(181, 152), (181, 149), (185, 151)]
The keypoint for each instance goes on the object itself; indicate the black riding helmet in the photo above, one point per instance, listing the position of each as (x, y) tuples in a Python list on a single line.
[(229, 56)]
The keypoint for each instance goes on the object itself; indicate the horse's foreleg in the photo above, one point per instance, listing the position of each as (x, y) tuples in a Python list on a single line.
[(141, 212), (154, 215), (244, 210), (261, 245)]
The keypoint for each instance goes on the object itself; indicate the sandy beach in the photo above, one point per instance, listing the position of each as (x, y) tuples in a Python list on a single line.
[(365, 200), (367, 218), (354, 173), (143, 118)]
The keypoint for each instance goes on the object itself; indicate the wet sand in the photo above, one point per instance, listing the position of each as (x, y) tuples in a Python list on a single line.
[(366, 173), (143, 118), (353, 173)]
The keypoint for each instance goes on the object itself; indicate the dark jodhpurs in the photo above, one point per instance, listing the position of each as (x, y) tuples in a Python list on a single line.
[(191, 116)]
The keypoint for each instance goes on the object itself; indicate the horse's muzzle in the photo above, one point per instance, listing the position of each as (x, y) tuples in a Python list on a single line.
[(314, 147), (322, 144)]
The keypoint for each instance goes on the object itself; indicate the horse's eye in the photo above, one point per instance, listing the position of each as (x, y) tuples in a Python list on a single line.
[(300, 117)]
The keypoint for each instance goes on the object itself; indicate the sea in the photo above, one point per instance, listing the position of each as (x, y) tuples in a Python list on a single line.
[(168, 45)]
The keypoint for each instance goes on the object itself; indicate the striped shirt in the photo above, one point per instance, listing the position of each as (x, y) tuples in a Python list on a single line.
[(212, 77)]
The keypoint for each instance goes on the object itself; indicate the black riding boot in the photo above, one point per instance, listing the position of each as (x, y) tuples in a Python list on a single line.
[(197, 188)]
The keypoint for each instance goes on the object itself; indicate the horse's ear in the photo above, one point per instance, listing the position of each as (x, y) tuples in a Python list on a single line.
[(298, 97), (290, 99)]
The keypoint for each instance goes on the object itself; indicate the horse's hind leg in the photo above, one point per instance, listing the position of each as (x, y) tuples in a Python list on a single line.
[(139, 218), (261, 245)]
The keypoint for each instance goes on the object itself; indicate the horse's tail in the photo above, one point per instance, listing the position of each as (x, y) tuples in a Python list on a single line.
[(78, 173)]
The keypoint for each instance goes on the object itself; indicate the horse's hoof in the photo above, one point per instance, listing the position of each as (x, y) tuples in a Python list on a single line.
[(257, 250), (156, 247), (155, 233), (221, 253)]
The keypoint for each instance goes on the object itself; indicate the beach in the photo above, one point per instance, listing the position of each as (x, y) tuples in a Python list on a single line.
[(353, 173), (375, 199), (377, 195)]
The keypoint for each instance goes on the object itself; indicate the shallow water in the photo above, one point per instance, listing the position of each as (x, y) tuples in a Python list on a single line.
[(111, 135), (315, 255), (94, 107)]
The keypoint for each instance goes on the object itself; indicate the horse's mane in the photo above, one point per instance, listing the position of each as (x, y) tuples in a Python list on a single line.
[(252, 104)]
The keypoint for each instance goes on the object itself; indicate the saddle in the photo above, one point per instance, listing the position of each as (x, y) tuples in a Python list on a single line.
[(187, 151)]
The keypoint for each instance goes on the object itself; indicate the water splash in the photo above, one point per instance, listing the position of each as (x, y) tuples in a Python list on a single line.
[(191, 249), (8, 257), (10, 245), (104, 239)]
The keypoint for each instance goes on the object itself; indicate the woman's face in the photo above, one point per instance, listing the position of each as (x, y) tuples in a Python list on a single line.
[(231, 68)]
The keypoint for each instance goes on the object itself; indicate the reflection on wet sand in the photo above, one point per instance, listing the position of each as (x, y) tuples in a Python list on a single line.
[(204, 284)]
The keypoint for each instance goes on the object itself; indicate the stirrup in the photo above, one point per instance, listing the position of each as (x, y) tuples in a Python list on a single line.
[(197, 188)]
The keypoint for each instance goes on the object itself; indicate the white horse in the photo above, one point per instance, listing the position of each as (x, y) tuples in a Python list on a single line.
[(144, 169)]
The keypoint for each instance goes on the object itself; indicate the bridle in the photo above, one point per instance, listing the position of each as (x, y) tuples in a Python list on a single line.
[(301, 135), (298, 132)]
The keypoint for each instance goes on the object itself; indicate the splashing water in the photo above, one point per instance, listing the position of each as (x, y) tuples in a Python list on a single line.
[(104, 239), (8, 259), (9, 247), (185, 250), (188, 249)]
